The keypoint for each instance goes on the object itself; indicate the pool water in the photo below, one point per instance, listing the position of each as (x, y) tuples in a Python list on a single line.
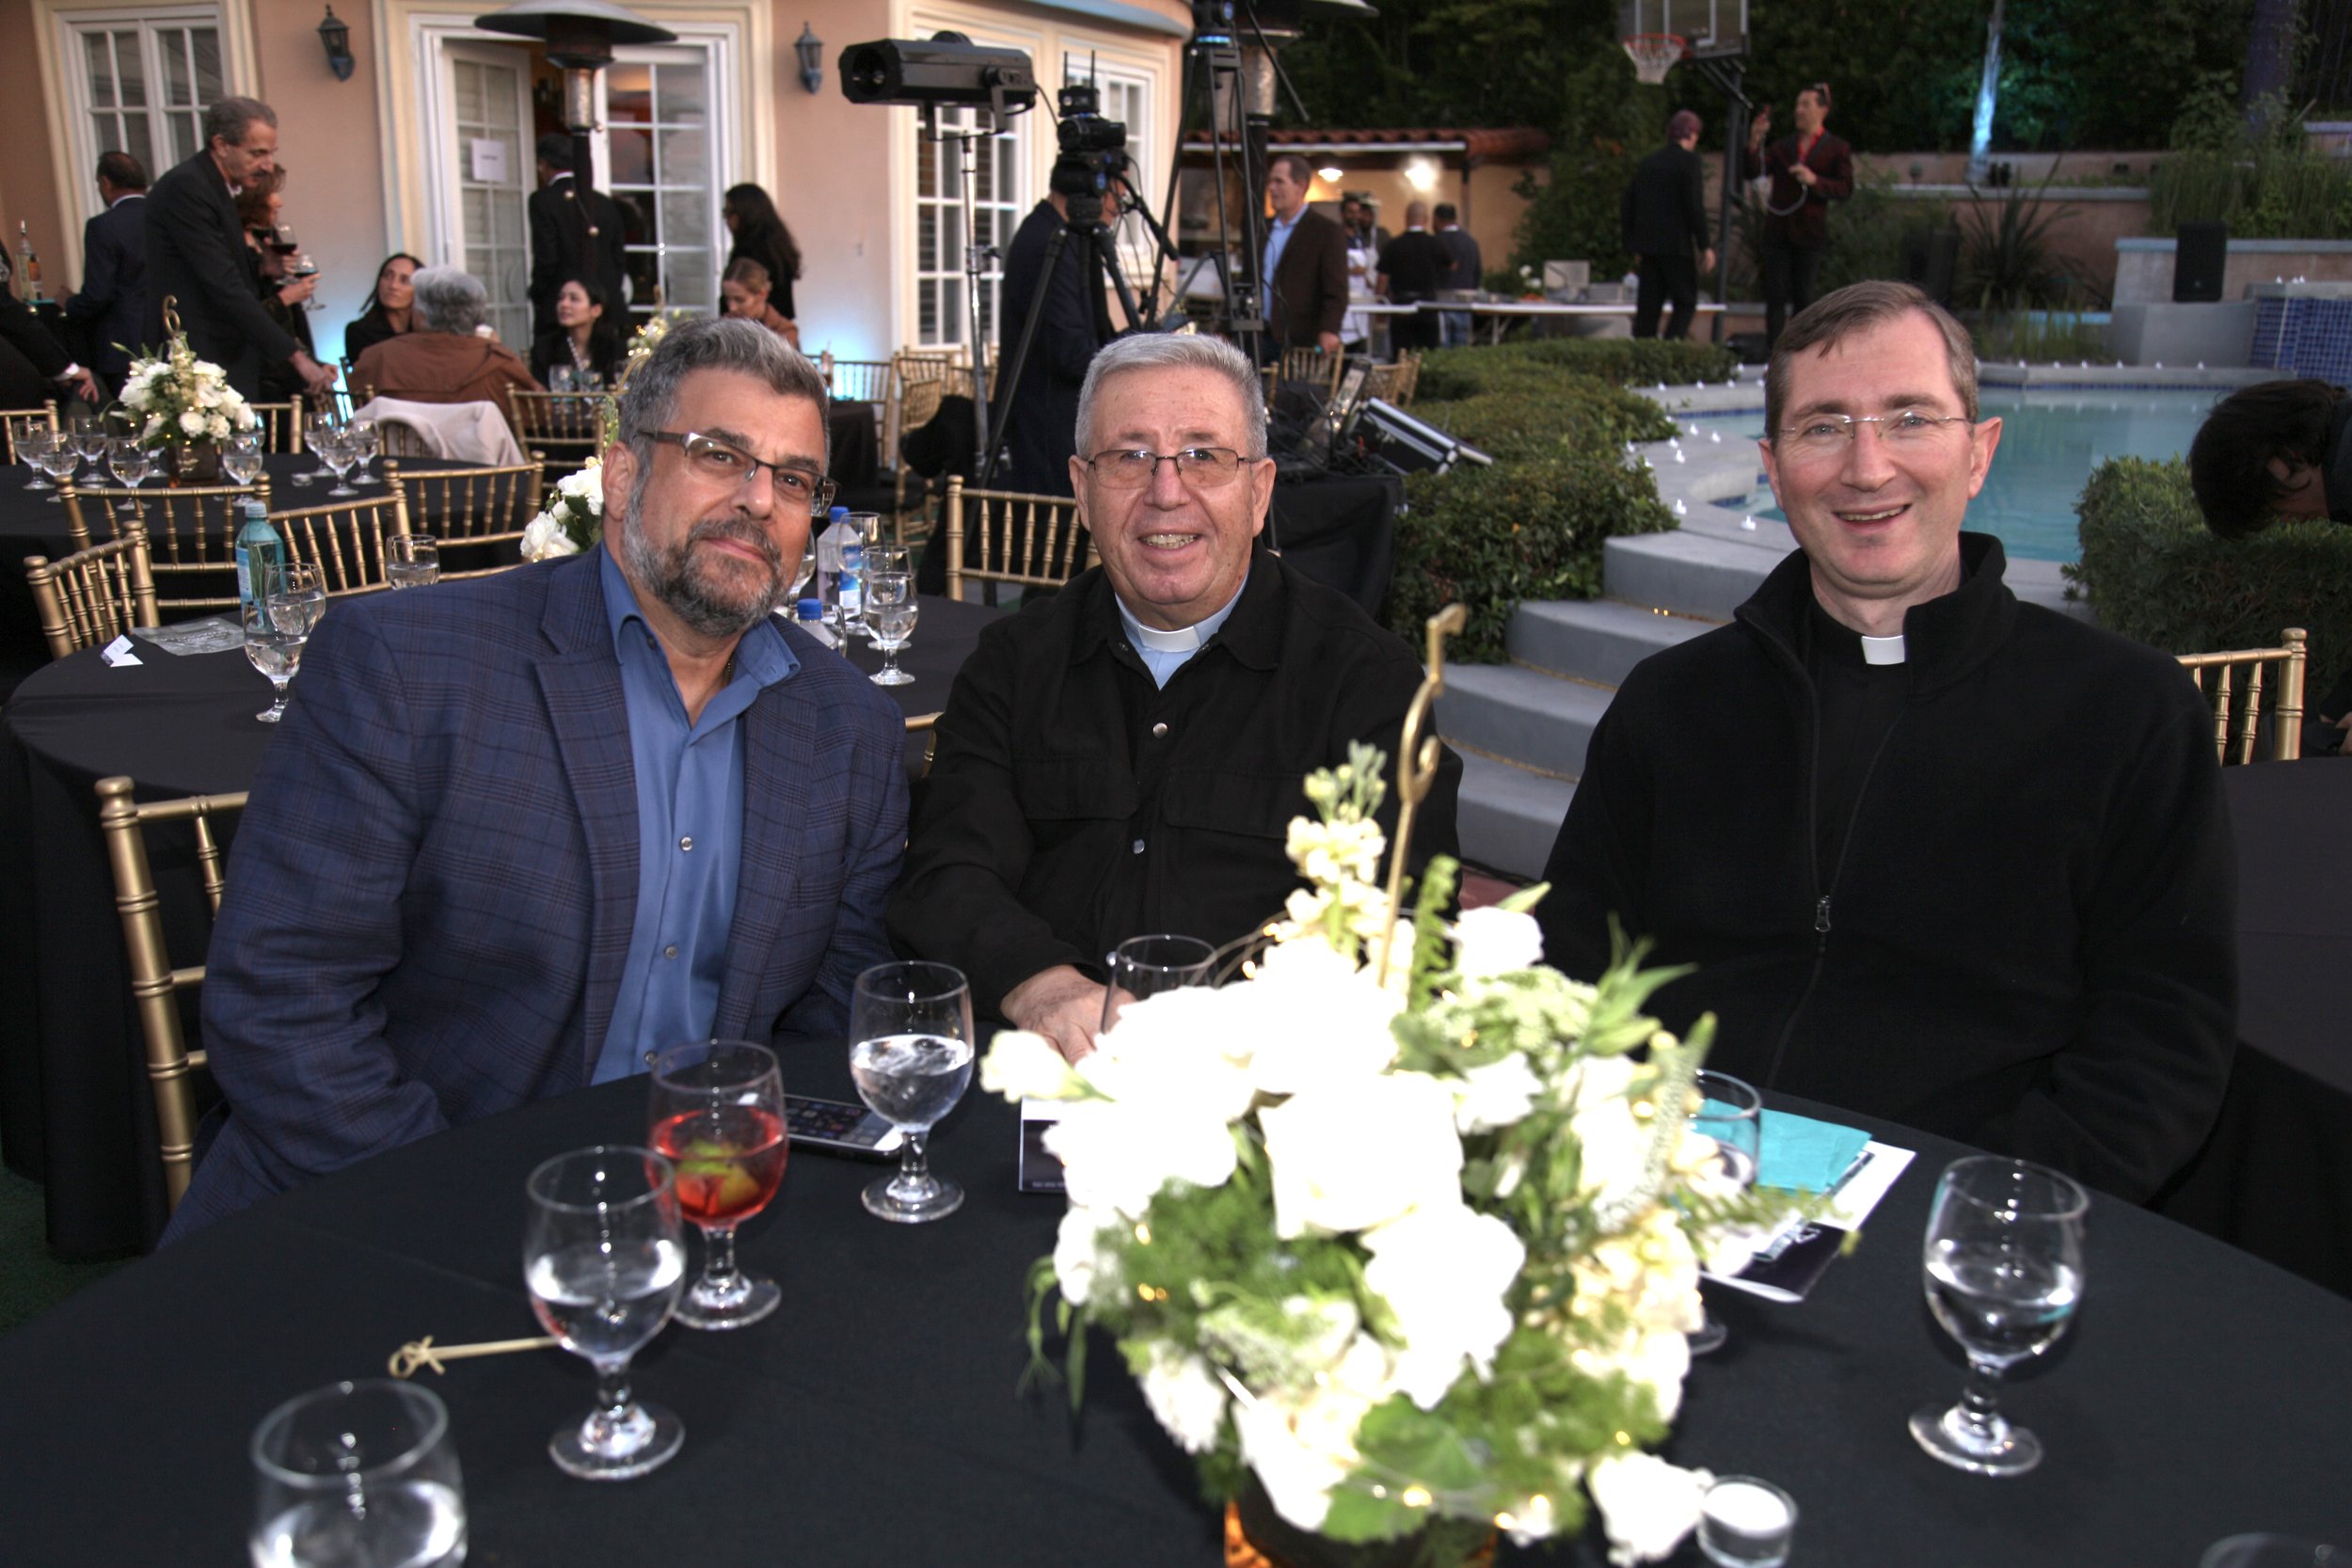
[(2051, 440)]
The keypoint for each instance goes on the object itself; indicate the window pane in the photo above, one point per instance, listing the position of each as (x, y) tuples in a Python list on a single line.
[(631, 155), (693, 280), (181, 129), (685, 219), (629, 94), (636, 216), (644, 281), (926, 311), (466, 78), (927, 238), (210, 85), (135, 142), (171, 43), (100, 60), (680, 94), (129, 70), (685, 157)]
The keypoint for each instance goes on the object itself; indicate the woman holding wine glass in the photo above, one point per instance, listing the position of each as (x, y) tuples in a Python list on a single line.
[(270, 246), (583, 351)]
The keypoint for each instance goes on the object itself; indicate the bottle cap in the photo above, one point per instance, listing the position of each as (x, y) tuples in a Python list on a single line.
[(812, 609)]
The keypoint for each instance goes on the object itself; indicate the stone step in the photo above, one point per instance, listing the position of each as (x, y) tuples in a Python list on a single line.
[(1521, 715), (1599, 639), (1687, 573), (1509, 817)]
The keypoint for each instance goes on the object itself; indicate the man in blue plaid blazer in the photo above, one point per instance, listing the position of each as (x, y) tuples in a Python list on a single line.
[(519, 832)]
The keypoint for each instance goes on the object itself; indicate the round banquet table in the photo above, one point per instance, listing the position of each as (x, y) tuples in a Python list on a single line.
[(879, 1416), (75, 1111)]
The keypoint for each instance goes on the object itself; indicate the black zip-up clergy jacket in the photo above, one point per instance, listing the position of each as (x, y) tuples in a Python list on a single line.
[(1072, 803), (2025, 936)]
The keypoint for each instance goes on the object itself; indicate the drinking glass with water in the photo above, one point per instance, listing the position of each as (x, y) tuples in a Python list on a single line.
[(357, 1475), (910, 1052)]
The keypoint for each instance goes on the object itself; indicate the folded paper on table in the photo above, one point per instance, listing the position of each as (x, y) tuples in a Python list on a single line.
[(1803, 1155)]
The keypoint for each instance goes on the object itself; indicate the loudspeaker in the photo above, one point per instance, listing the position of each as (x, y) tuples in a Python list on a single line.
[(2201, 252), (1931, 260)]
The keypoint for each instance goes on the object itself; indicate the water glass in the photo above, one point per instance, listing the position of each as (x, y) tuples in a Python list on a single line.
[(130, 459), (2003, 1267), (1731, 1113), (890, 616), (604, 1259), (335, 450), (357, 1475), (367, 442), (910, 1052), (33, 447), (241, 457), (59, 463), (88, 436), (1746, 1523), (316, 428), (275, 653), (412, 560), (718, 1114), (1146, 966)]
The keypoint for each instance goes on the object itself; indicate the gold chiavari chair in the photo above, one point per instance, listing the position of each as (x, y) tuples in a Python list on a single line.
[(563, 429), (155, 984), (861, 380), (2244, 705), (93, 596), (1032, 540), (281, 425), (926, 724), (471, 507), (398, 439), (15, 421), (345, 540), (1408, 382), (1310, 365), (191, 534)]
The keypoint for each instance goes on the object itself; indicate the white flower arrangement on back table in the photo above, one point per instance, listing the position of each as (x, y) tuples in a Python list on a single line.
[(1415, 1243), (179, 399)]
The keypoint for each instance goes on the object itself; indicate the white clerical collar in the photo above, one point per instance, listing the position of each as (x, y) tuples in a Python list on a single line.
[(1882, 650), (1185, 640)]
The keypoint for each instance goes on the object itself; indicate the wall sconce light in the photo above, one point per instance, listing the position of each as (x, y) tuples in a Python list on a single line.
[(1331, 176), (811, 49), (335, 33), (1422, 174)]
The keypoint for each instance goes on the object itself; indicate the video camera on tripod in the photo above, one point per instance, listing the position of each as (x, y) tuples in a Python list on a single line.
[(1088, 142)]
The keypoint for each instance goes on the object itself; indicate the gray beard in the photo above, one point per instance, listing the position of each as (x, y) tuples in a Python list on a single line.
[(672, 577)]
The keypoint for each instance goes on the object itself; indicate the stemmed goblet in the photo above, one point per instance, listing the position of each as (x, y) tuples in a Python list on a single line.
[(241, 457), (890, 615), (1731, 1113), (59, 463), (603, 1260), (910, 1052), (2003, 1265), (1146, 966), (278, 625), (718, 1113), (130, 459), (88, 436), (316, 428), (366, 443), (33, 447), (335, 450)]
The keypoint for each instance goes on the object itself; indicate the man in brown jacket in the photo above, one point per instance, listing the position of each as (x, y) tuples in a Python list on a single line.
[(443, 360), (1306, 257)]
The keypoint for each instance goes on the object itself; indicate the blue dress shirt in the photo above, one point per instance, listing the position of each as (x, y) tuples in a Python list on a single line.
[(1278, 238), (690, 818), (1163, 653)]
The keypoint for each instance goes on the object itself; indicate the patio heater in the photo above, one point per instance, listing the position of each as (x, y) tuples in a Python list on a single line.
[(579, 36)]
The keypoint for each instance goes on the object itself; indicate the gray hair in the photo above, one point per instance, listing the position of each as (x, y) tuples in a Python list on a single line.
[(649, 397), (228, 117), (450, 299), (1152, 351)]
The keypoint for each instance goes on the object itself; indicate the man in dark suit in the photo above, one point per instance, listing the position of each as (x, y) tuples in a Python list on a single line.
[(1041, 418), (1465, 269), (114, 269), (1410, 266), (1808, 170), (1664, 213), (574, 233), (196, 255), (1306, 259), (33, 367), (518, 832)]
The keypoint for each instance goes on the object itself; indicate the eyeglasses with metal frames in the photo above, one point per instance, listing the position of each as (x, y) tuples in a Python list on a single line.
[(721, 462), (1202, 468), (1819, 434)]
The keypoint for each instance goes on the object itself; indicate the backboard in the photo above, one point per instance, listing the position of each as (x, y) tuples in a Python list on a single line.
[(1713, 28)]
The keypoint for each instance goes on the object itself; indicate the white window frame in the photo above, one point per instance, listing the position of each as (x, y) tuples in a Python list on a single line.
[(74, 149), (717, 43), (1115, 62), (1030, 129)]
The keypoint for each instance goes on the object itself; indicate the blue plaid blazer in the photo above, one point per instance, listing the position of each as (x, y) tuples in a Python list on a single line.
[(431, 893)]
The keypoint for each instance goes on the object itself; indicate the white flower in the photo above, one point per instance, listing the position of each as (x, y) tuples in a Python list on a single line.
[(1443, 1272), (193, 422), (1329, 852), (1358, 1150), (1185, 1396), (1022, 1065), (1079, 1259), (1313, 1016), (1646, 1505), (1496, 942), (1615, 1142), (545, 539), (217, 427), (1116, 1155), (1184, 1051), (1302, 1443), (1497, 1095)]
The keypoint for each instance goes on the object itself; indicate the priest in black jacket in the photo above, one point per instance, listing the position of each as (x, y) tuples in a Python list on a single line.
[(1934, 854), (197, 258), (1124, 758)]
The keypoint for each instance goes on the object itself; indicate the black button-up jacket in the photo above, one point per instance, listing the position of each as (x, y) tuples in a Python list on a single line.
[(1072, 804)]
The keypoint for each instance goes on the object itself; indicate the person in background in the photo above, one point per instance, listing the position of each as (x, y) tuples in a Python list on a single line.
[(761, 235), (114, 269), (196, 254), (1305, 265), (1664, 213), (1074, 322), (1411, 265), (1466, 269), (261, 207), (445, 358), (390, 307), (1808, 172), (574, 233), (744, 291), (586, 342)]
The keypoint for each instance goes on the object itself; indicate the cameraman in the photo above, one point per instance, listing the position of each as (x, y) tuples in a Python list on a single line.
[(1041, 418)]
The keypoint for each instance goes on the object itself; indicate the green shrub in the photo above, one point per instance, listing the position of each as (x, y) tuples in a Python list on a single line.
[(2153, 571), (1459, 373)]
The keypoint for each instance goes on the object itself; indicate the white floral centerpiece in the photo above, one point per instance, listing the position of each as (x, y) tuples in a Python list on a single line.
[(574, 518), (1419, 1251), (177, 400)]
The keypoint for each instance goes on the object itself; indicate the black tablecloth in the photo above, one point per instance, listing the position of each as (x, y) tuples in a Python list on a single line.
[(75, 1110), (1341, 529), (877, 1416)]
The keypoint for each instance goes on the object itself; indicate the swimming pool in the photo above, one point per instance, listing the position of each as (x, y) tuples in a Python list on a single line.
[(2052, 437)]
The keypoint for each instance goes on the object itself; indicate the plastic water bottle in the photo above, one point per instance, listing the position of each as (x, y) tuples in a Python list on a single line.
[(829, 563), (261, 554), (854, 572)]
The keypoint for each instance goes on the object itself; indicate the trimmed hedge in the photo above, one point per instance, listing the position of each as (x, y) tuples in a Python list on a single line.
[(2153, 571), (1533, 525)]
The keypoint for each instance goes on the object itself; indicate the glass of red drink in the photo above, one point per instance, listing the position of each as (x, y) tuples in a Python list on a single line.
[(717, 1115)]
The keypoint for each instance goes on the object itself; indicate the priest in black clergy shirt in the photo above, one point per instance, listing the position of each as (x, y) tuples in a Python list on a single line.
[(1124, 756)]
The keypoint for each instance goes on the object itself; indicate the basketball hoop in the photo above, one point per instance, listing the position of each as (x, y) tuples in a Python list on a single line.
[(1654, 55)]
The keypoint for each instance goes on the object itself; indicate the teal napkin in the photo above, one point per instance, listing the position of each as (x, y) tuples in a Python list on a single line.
[(1800, 1154)]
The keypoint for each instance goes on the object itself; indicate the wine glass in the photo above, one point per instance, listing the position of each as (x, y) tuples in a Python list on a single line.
[(603, 1259), (300, 265), (315, 429), (59, 463), (718, 1113), (90, 437), (1146, 966), (32, 447), (241, 458), (275, 651), (334, 450), (366, 443), (412, 560), (357, 1472), (910, 1052), (890, 613), (1731, 1113), (130, 459), (298, 598), (807, 569), (2003, 1264)]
